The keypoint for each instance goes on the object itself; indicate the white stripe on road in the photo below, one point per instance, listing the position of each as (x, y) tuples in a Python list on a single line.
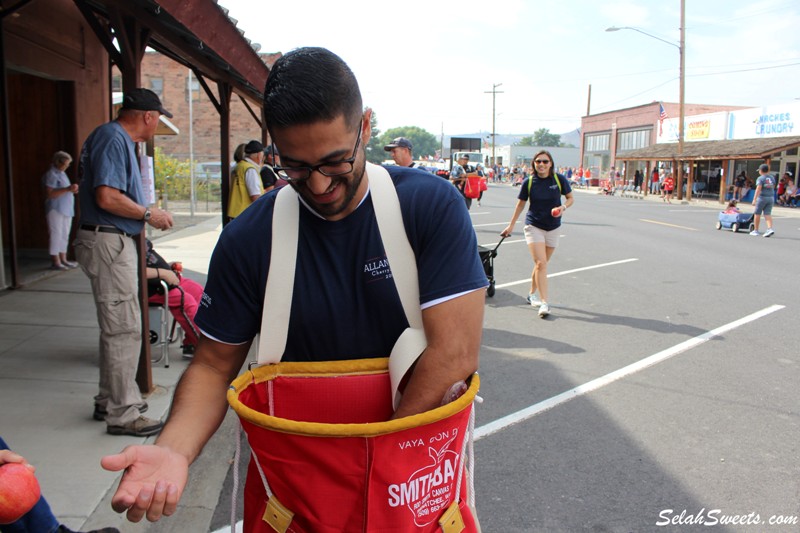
[(564, 273), (666, 224), (533, 410), (493, 244)]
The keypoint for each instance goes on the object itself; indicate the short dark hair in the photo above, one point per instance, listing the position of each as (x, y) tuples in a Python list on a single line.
[(309, 85)]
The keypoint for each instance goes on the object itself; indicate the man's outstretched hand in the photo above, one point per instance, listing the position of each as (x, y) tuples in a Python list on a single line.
[(153, 481)]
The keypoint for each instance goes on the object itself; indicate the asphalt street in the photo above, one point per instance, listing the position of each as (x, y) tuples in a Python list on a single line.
[(707, 427), (660, 395)]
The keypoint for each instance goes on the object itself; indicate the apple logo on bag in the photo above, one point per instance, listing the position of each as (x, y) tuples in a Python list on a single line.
[(429, 489)]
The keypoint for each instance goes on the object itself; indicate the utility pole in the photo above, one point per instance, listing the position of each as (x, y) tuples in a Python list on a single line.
[(589, 101), (494, 92), (682, 103)]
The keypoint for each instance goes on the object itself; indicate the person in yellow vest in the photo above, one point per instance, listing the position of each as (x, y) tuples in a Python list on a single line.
[(246, 184)]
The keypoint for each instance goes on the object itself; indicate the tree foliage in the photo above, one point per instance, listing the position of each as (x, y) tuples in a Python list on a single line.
[(375, 153), (172, 176), (541, 137), (424, 142)]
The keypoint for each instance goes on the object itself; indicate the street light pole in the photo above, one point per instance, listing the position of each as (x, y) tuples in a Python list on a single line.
[(494, 92), (682, 76), (682, 83)]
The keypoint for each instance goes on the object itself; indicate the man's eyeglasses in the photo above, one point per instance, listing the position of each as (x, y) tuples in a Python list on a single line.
[(542, 161), (330, 168)]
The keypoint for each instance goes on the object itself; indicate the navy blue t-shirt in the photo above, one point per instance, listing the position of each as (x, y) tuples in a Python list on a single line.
[(344, 303), (545, 196)]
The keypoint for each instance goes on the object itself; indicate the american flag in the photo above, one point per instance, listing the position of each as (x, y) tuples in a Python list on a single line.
[(662, 114)]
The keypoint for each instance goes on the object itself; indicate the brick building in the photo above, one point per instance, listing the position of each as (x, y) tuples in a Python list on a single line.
[(171, 81), (605, 135)]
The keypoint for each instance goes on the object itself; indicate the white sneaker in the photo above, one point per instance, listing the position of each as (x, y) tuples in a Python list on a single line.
[(534, 300), (544, 310), (754, 233), (769, 233)]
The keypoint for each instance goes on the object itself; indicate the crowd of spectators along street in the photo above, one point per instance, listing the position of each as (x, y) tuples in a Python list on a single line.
[(517, 173), (660, 182)]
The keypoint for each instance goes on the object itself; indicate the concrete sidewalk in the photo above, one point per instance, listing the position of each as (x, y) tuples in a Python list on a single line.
[(48, 356)]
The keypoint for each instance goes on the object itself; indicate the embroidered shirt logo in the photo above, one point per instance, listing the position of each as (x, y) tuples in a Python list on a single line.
[(377, 269)]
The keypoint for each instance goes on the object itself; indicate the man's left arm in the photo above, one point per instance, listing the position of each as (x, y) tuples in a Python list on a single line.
[(453, 329), (116, 202)]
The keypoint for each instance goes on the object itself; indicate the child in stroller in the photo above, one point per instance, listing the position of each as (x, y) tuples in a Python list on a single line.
[(733, 219)]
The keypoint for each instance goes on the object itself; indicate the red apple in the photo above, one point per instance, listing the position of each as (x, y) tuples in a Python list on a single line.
[(556, 211), (19, 491)]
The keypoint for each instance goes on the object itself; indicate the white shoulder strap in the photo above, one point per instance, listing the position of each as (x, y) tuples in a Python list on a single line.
[(280, 279), (402, 262)]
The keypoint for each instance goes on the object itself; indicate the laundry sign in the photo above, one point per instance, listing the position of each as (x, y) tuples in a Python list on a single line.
[(698, 129)]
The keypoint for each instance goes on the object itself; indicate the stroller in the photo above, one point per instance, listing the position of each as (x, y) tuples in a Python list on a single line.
[(487, 258), (735, 221)]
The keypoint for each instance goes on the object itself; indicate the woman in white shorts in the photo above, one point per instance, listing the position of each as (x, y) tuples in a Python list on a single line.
[(542, 192), (59, 209)]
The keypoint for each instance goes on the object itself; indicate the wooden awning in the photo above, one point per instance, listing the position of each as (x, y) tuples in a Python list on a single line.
[(712, 150), (198, 34)]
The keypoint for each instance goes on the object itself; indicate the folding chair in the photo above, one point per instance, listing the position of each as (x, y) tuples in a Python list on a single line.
[(160, 335)]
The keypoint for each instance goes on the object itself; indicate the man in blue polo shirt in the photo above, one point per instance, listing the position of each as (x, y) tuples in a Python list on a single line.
[(345, 304), (112, 212)]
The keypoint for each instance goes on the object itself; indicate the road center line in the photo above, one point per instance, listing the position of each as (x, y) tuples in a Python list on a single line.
[(665, 224), (565, 272), (494, 244), (533, 410)]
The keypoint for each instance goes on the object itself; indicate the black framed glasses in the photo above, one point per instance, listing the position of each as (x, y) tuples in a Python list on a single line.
[(542, 161), (329, 168)]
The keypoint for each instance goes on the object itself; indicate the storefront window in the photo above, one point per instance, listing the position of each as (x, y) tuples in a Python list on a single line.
[(631, 140), (597, 143)]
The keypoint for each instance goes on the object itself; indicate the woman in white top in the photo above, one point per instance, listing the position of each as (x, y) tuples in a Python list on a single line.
[(59, 209)]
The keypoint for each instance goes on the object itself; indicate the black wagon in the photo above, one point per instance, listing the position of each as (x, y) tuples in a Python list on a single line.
[(487, 258)]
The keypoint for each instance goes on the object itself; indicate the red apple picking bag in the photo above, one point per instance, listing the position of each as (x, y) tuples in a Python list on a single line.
[(325, 456), (472, 186)]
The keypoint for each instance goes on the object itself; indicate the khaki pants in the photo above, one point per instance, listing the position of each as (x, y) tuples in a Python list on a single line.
[(111, 263)]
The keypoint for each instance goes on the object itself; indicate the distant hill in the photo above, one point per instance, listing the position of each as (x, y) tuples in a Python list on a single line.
[(505, 139)]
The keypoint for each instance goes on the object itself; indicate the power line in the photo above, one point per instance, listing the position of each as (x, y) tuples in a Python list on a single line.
[(743, 70), (718, 73), (718, 22)]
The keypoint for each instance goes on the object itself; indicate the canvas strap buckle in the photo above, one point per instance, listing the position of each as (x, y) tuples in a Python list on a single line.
[(452, 521), (277, 516)]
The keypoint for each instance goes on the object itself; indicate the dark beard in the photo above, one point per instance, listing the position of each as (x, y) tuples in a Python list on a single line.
[(351, 188)]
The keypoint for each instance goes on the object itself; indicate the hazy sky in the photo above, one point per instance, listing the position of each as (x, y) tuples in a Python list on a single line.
[(430, 63)]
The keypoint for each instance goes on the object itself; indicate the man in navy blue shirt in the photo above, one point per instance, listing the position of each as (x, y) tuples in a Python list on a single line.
[(344, 304)]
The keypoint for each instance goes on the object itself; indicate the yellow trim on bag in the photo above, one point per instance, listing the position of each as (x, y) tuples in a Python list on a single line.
[(336, 368)]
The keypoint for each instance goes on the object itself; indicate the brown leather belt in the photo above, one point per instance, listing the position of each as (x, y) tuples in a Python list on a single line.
[(104, 229)]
